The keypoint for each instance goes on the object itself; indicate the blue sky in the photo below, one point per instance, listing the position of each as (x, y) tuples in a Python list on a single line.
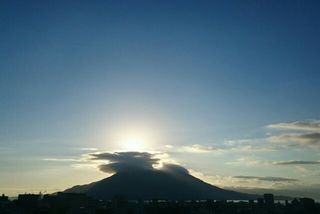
[(229, 83)]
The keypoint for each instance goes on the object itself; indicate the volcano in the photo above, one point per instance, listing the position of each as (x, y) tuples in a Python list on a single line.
[(156, 184)]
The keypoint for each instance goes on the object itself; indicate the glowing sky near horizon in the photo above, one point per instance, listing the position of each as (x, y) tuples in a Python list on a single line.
[(227, 89)]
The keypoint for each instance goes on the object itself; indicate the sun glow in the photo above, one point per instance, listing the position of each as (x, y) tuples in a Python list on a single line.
[(133, 144), (139, 137)]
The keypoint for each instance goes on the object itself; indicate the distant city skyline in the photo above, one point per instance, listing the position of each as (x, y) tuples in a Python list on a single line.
[(226, 89)]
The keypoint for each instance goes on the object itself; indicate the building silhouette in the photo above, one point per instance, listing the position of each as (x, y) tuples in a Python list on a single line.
[(269, 202), (78, 203)]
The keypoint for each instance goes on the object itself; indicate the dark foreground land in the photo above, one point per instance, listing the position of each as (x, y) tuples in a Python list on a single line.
[(80, 203)]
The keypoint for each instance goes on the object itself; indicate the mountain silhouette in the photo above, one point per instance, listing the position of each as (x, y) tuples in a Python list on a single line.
[(156, 184)]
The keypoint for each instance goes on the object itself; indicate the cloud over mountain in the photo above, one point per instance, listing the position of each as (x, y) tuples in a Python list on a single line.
[(124, 161), (143, 175), (132, 161)]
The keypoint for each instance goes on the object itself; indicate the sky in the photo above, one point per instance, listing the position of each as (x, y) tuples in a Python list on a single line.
[(227, 89)]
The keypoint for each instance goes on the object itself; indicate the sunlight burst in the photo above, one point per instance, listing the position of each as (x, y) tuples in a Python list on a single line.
[(133, 144)]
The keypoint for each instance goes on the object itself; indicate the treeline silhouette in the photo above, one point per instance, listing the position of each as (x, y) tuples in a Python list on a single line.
[(78, 203)]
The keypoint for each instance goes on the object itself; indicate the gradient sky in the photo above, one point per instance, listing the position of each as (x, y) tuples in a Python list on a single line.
[(228, 89)]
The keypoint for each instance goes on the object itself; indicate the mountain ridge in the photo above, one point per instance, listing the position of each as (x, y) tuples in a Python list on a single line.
[(156, 184)]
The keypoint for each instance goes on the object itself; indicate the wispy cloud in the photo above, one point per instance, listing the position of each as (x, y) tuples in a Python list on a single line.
[(307, 125), (249, 145), (197, 148), (300, 132), (88, 149), (303, 133), (296, 162), (266, 178), (310, 139), (62, 159), (242, 181), (249, 161)]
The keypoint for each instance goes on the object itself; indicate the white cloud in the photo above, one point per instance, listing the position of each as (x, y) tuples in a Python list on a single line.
[(197, 148), (307, 125), (300, 132)]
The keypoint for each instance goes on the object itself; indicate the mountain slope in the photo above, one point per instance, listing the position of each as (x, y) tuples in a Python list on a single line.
[(151, 184)]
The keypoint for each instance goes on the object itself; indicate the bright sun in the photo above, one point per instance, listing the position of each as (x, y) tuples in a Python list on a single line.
[(138, 138), (133, 144)]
